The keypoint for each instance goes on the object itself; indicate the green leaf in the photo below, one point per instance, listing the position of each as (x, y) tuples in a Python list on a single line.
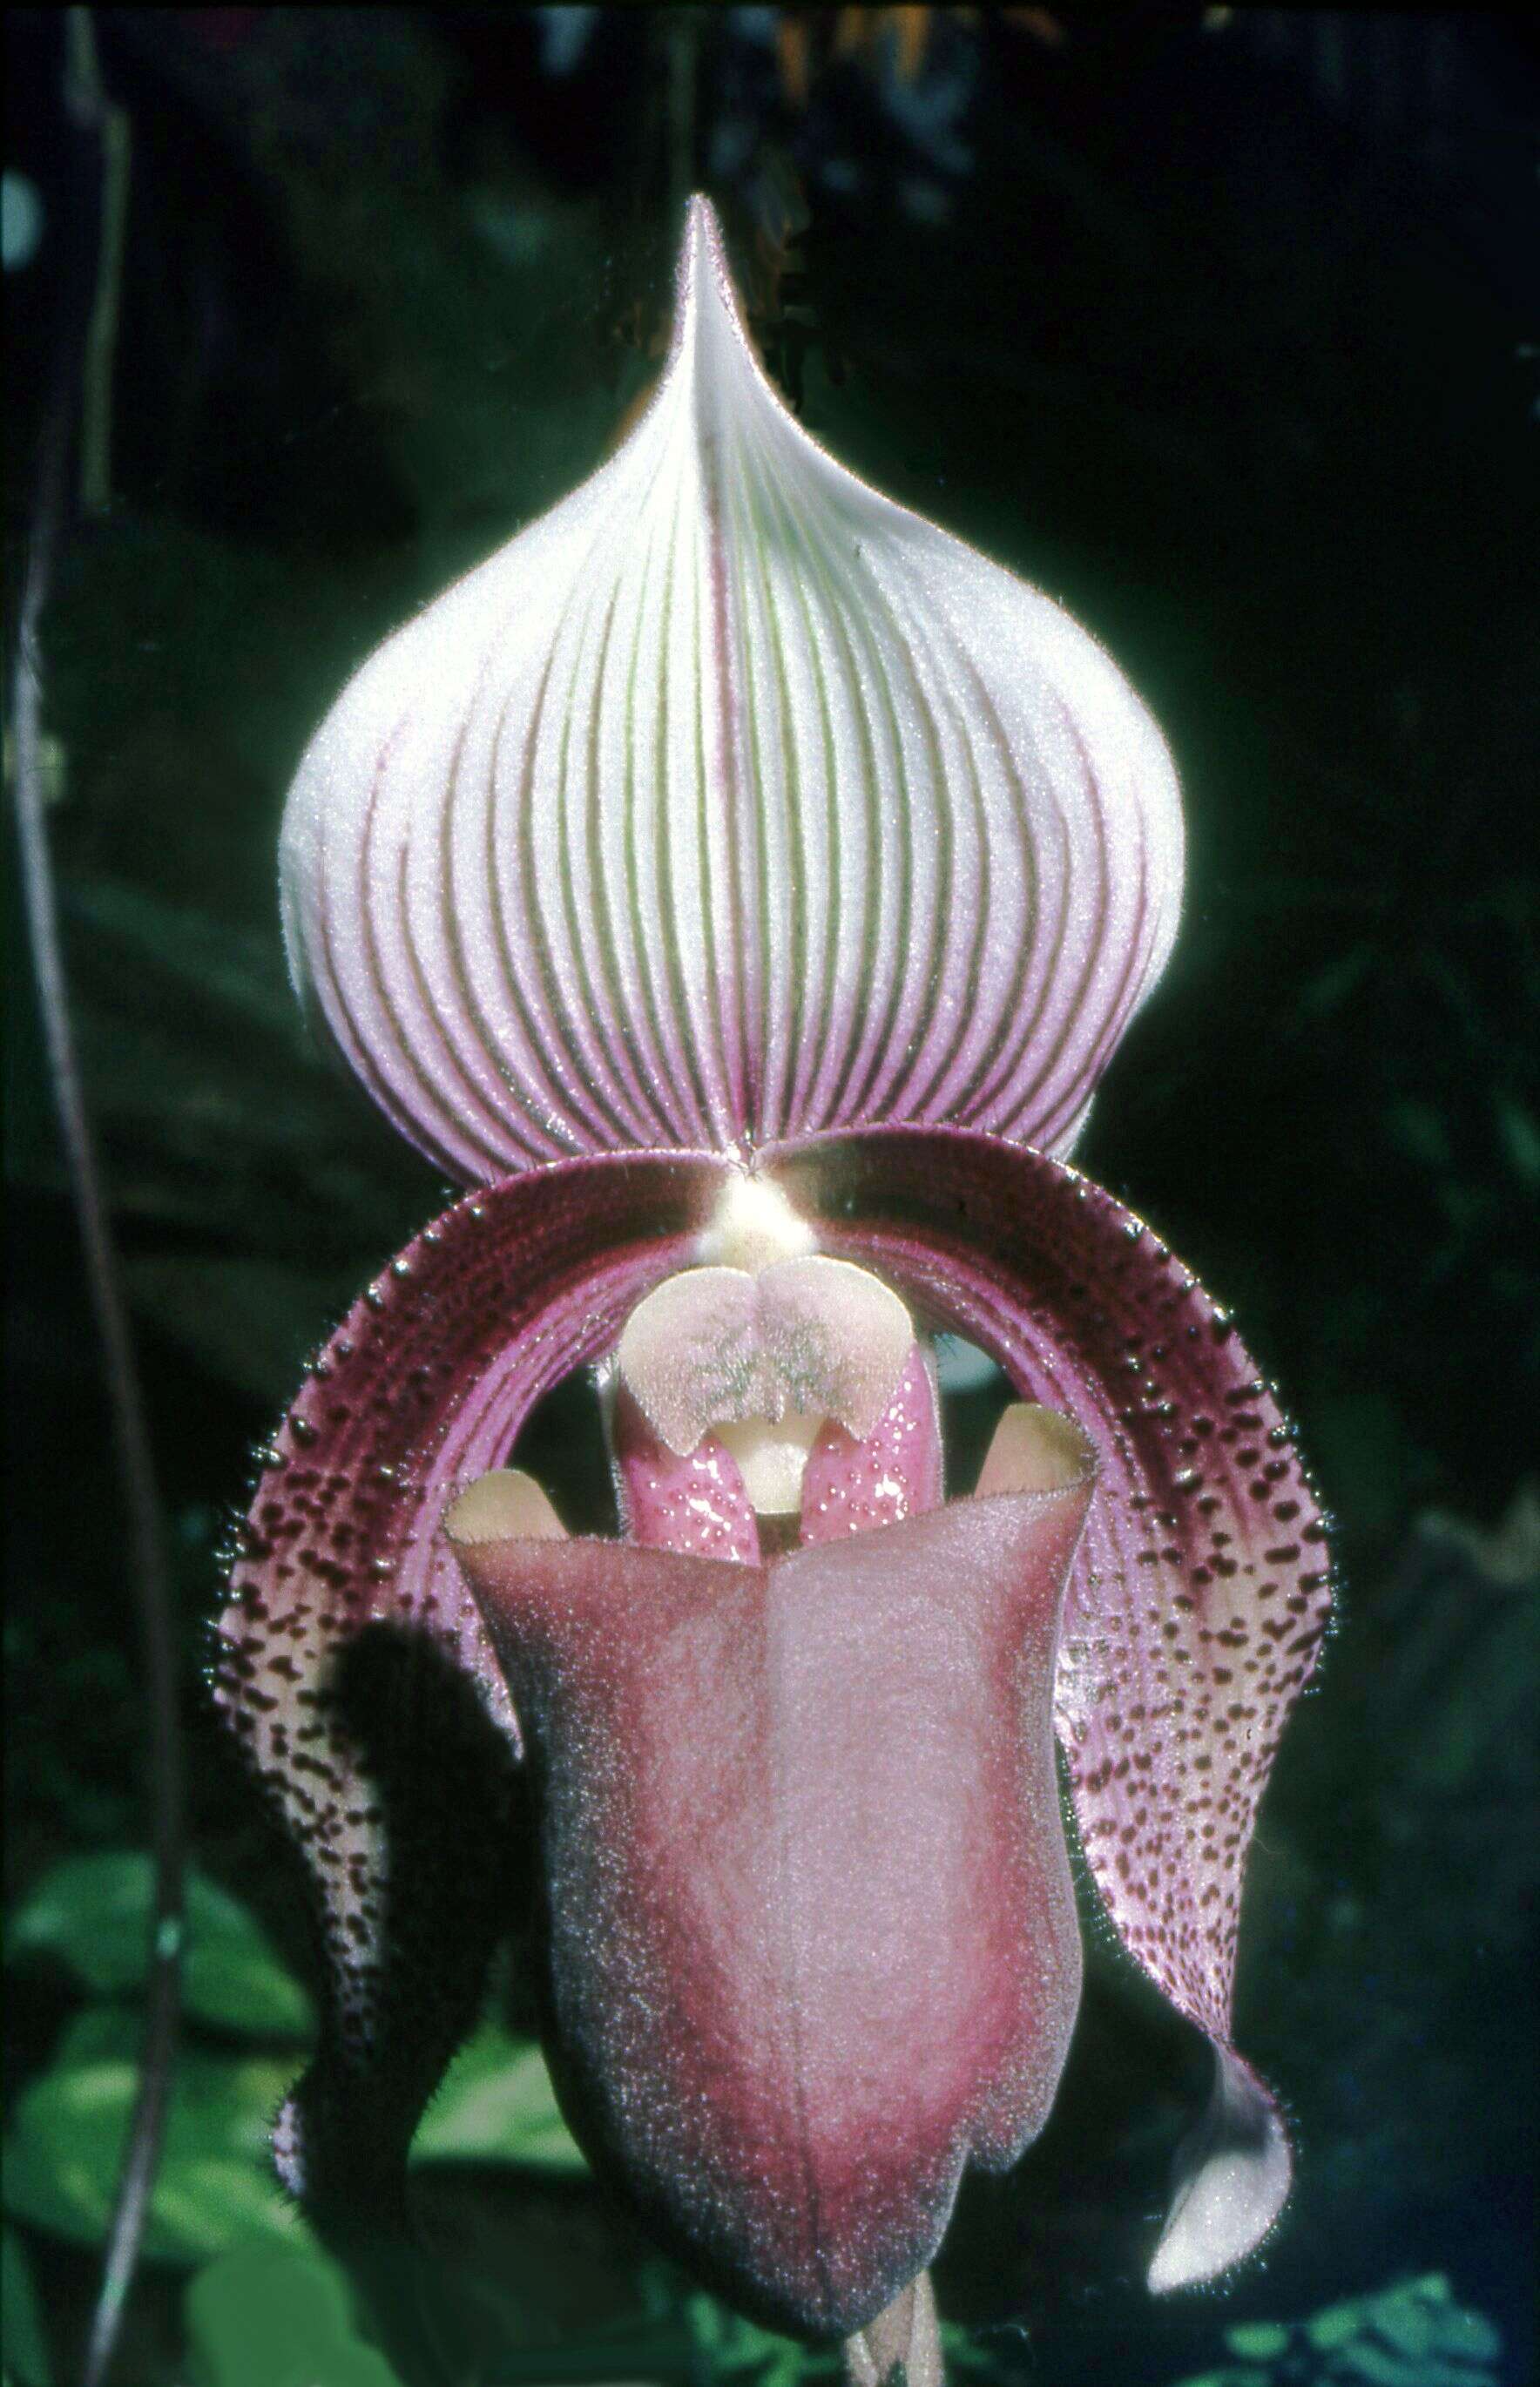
[(496, 2103), (277, 2317), (24, 2346), (1414, 2330), (214, 2187), (251, 1324), (211, 960), (1258, 2340), (92, 1913), (1423, 2314), (1410, 2334)]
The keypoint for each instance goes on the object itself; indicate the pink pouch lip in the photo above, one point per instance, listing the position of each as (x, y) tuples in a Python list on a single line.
[(813, 1940)]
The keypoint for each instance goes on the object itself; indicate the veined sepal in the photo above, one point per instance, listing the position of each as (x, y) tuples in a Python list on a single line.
[(729, 801)]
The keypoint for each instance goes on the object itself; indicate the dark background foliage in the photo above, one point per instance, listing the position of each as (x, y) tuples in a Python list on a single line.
[(1219, 325)]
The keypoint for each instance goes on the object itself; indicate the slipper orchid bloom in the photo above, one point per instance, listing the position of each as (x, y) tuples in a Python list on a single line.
[(740, 885)]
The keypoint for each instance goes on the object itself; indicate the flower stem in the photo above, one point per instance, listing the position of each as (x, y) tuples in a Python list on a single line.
[(90, 106), (150, 1573), (903, 2346)]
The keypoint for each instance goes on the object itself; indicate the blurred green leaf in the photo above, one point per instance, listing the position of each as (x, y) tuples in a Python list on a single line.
[(251, 1324), (496, 2103), (207, 958), (1330, 988), (1411, 2334), (1520, 1135), (1418, 1130), (1258, 2340), (1360, 1440), (22, 2342), (92, 1913), (277, 2317), (214, 2187), (1423, 2316)]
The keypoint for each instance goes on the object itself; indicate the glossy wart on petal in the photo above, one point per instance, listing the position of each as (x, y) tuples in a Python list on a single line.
[(729, 801)]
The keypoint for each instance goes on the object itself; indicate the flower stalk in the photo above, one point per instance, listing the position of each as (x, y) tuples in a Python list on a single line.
[(903, 2346), (81, 362)]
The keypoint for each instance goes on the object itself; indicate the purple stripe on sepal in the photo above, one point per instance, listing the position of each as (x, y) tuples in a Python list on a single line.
[(1201, 1591), (383, 1748), (729, 801)]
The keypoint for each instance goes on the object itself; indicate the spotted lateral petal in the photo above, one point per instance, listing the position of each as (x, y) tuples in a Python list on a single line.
[(1200, 1595), (353, 1662), (729, 801)]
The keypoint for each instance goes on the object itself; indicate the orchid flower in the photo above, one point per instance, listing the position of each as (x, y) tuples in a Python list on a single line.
[(740, 886)]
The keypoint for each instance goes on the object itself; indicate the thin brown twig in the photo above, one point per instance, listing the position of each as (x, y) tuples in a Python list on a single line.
[(150, 1572), (91, 105)]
